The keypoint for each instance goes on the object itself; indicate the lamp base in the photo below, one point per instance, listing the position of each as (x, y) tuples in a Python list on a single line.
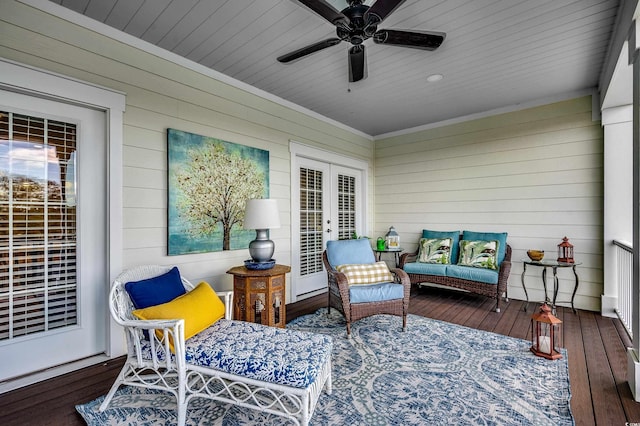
[(259, 266), (261, 249)]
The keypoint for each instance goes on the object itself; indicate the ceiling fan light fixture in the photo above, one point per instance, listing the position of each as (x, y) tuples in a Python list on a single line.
[(434, 78)]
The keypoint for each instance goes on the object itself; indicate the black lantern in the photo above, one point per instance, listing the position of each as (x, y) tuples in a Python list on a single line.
[(545, 333), (565, 251)]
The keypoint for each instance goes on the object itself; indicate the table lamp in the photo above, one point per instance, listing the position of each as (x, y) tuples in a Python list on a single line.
[(261, 215)]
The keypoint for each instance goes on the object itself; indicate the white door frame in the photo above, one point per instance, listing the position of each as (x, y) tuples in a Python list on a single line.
[(299, 150), (36, 82)]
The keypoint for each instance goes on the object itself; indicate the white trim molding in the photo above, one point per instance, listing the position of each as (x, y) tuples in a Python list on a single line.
[(633, 366), (45, 84), (489, 113), (300, 151), (93, 25)]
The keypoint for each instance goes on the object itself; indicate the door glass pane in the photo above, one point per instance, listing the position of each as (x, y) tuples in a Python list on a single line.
[(346, 206), (37, 225), (310, 221)]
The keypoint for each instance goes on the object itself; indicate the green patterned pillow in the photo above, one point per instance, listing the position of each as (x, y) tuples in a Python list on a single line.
[(479, 254), (368, 273), (435, 250)]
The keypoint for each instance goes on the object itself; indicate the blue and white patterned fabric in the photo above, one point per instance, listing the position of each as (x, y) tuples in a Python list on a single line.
[(435, 373), (274, 355)]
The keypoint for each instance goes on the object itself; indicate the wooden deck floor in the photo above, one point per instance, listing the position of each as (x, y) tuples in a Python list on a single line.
[(596, 348)]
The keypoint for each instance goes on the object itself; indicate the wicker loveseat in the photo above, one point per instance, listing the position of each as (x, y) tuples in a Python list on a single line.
[(486, 282)]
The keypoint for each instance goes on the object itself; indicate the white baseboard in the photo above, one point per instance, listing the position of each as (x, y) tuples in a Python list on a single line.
[(633, 373), (608, 306), (40, 376)]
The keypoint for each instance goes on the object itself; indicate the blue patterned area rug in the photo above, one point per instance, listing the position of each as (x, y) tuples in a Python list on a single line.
[(436, 373)]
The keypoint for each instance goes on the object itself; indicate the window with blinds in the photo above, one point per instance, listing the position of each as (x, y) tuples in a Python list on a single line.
[(310, 221), (38, 285), (346, 207)]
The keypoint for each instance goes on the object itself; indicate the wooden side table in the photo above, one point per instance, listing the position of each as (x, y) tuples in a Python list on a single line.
[(259, 296)]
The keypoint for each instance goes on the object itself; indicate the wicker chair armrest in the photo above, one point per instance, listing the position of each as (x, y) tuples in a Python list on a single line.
[(159, 333), (342, 283), (505, 269), (339, 277), (505, 266), (407, 258), (227, 299), (400, 276), (151, 324)]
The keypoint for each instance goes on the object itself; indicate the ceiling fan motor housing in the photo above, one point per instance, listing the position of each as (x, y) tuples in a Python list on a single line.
[(357, 30)]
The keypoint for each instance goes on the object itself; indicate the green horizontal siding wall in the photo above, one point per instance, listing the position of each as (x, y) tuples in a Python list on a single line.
[(535, 173), (162, 94)]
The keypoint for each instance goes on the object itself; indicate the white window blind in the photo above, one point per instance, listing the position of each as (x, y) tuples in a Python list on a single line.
[(310, 221), (38, 284), (346, 207)]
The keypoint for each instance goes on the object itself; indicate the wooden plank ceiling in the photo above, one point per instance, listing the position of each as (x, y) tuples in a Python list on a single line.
[(497, 53)]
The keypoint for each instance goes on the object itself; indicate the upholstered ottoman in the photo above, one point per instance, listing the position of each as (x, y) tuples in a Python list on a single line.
[(270, 369)]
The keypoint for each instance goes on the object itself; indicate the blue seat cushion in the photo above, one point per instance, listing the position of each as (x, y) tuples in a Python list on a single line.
[(269, 354), (375, 292), (482, 275), (501, 237), (426, 268), (343, 252), (455, 239)]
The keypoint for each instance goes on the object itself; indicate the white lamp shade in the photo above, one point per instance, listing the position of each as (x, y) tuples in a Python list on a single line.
[(261, 214)]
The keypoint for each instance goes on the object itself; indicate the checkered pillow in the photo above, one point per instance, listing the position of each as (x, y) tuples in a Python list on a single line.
[(369, 273)]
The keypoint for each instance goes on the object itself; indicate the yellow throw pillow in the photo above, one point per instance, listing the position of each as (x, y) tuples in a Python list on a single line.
[(368, 273), (199, 308)]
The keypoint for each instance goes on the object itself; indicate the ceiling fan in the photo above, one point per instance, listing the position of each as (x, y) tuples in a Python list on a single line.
[(357, 23)]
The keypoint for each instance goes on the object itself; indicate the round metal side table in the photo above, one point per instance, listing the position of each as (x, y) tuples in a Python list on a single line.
[(554, 265)]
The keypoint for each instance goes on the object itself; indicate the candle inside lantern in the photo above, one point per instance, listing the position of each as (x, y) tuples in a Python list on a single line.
[(544, 344)]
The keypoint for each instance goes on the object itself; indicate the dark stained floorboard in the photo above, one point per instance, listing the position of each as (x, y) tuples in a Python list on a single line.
[(595, 346), (606, 403), (581, 404)]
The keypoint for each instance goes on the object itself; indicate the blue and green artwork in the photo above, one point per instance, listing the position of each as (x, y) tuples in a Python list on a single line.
[(210, 181)]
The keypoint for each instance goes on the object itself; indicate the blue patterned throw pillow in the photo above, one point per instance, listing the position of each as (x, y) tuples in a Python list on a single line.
[(479, 254), (435, 250), (501, 237)]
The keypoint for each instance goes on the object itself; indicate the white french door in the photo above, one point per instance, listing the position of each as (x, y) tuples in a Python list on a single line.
[(53, 233), (327, 205), (313, 225)]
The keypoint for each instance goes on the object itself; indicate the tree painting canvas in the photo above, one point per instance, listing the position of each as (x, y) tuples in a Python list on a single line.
[(209, 183)]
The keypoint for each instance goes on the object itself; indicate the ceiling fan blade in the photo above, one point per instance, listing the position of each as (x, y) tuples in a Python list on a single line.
[(324, 9), (426, 40), (380, 10), (357, 63), (307, 50)]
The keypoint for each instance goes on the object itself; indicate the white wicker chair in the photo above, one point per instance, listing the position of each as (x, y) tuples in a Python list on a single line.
[(191, 371)]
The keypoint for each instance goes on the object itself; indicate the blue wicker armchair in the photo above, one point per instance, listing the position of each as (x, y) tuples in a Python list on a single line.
[(357, 301)]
